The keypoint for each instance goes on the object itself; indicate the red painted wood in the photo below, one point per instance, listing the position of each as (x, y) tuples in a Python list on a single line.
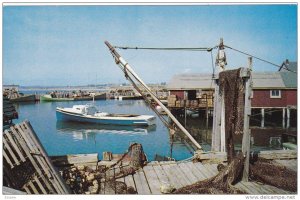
[(178, 93), (261, 98), (291, 97)]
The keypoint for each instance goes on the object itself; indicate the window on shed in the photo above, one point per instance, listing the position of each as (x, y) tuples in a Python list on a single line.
[(275, 93), (191, 94)]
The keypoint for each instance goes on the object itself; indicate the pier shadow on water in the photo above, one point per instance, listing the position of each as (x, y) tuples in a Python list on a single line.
[(270, 137)]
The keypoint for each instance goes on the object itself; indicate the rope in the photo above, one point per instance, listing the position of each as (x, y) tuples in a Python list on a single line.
[(242, 52)]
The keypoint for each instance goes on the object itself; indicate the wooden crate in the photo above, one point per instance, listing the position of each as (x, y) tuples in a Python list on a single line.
[(22, 148), (177, 104)]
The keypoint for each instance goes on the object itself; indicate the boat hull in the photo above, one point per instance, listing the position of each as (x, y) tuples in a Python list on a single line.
[(26, 98), (66, 116), (83, 98), (49, 98), (101, 96)]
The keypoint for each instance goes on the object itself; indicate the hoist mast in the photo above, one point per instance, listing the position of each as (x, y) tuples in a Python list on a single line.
[(129, 72)]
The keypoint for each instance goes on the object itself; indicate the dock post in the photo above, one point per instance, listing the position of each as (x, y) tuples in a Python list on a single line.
[(216, 136), (288, 113), (223, 137), (262, 118), (283, 117), (184, 116), (247, 131), (218, 133)]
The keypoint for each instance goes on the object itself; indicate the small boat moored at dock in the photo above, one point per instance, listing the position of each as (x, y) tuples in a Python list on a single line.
[(14, 95), (48, 97), (90, 114)]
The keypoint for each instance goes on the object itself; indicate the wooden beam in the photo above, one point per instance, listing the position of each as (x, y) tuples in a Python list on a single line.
[(222, 130), (288, 113), (216, 137), (246, 134), (278, 154), (283, 118), (75, 159), (262, 118)]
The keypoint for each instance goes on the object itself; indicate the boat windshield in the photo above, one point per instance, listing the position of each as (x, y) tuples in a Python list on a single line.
[(91, 110)]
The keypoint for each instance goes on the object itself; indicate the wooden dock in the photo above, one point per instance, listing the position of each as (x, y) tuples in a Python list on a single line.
[(148, 180)]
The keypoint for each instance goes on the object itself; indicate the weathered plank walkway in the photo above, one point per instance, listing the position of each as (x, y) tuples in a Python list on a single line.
[(149, 179)]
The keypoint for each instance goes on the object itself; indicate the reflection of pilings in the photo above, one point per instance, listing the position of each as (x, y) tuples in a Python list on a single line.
[(262, 118), (288, 118), (283, 117)]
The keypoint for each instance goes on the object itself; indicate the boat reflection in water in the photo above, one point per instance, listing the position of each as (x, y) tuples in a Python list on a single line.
[(82, 131)]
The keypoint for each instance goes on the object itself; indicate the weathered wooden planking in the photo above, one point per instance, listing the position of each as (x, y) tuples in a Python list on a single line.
[(57, 179), (203, 169), (7, 158), (200, 176), (243, 187), (27, 145), (36, 160), (75, 159), (140, 184), (210, 167), (161, 174), (40, 185), (152, 179), (14, 145), (278, 154), (12, 142), (276, 190), (172, 176), (255, 188), (188, 173), (10, 151), (144, 182), (129, 181), (33, 187), (217, 157), (181, 176), (26, 149), (214, 168), (27, 190), (260, 187), (290, 164)]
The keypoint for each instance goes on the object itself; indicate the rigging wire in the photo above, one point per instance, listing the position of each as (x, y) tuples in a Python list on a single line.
[(168, 49), (144, 96), (242, 52)]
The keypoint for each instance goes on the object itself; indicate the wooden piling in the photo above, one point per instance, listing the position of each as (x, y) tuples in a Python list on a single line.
[(283, 117), (262, 118), (247, 113), (288, 113)]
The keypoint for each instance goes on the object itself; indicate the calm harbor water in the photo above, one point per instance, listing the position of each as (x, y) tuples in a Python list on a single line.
[(60, 138)]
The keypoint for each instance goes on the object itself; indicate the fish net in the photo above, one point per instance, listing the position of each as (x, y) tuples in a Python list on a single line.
[(233, 90), (18, 176), (268, 172)]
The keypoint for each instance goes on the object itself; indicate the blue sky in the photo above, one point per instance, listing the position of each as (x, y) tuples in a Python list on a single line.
[(64, 45)]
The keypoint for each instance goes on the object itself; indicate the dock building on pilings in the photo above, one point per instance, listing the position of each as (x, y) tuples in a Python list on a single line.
[(274, 95)]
